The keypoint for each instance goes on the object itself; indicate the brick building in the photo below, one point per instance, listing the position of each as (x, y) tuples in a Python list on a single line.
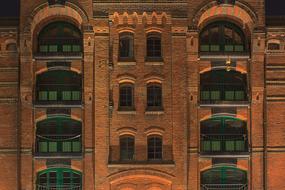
[(142, 95)]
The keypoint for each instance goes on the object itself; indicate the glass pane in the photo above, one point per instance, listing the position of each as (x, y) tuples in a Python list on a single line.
[(240, 145), (229, 95), (205, 95), (75, 95), (239, 95), (43, 95), (52, 95), (53, 48), (52, 146), (66, 48), (216, 146), (230, 145), (239, 48), (76, 146), (66, 146), (206, 146), (229, 48), (66, 178), (215, 95), (205, 48), (43, 146), (43, 48), (66, 95), (215, 48), (76, 48)]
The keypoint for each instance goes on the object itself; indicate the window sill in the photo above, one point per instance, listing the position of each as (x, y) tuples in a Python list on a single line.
[(126, 112), (158, 63), (224, 103), (38, 105), (225, 155), (154, 112), (126, 63), (223, 55), (59, 56), (58, 155)]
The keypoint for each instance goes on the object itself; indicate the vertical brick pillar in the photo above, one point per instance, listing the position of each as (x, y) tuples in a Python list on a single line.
[(257, 89), (179, 106), (88, 101), (101, 113), (193, 95), (26, 108)]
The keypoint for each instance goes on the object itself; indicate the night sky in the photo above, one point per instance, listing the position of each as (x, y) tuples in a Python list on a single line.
[(10, 8)]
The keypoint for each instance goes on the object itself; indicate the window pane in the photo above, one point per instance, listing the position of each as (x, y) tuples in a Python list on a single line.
[(154, 96), (43, 48), (206, 145), (43, 95), (216, 145), (154, 148), (126, 46), (66, 48), (66, 95), (43, 146), (66, 146), (230, 145), (52, 95), (76, 146), (153, 47), (75, 95), (126, 148), (126, 96), (52, 146), (53, 48)]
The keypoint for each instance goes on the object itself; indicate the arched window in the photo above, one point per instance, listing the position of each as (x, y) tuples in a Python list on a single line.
[(154, 46), (60, 38), (59, 178), (58, 87), (127, 148), (224, 177), (154, 148), (11, 47), (222, 85), (126, 97), (223, 134), (222, 37), (154, 96), (58, 135), (126, 47)]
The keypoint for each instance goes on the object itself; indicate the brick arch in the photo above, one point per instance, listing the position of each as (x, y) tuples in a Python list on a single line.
[(144, 174), (210, 166), (240, 13), (44, 12)]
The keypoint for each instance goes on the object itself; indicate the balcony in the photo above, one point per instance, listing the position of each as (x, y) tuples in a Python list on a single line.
[(224, 187), (58, 187), (224, 144), (58, 146)]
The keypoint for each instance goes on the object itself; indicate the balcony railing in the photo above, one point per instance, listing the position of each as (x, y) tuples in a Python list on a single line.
[(58, 145), (224, 187), (59, 187), (224, 144)]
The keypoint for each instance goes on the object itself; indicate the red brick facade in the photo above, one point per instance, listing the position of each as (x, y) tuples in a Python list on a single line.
[(179, 73)]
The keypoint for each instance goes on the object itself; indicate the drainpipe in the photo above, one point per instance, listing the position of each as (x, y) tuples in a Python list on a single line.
[(265, 128)]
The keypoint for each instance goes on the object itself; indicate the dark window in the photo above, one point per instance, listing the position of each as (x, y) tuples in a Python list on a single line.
[(223, 135), (154, 96), (154, 46), (222, 37), (58, 135), (226, 2), (59, 87), (226, 177), (59, 178), (154, 148), (11, 47), (53, 2), (222, 85), (273, 46), (126, 47), (127, 148), (126, 101), (60, 38)]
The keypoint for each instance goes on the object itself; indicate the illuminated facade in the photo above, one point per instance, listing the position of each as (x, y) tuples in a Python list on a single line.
[(142, 95)]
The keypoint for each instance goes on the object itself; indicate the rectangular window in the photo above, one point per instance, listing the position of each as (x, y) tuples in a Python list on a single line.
[(126, 96)]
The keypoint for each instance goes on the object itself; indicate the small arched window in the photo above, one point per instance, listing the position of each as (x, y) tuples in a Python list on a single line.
[(154, 96), (154, 46), (11, 47), (59, 38), (154, 148), (127, 147), (126, 97), (222, 37), (126, 47)]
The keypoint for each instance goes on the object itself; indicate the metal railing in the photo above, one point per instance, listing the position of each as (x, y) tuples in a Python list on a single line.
[(224, 187), (59, 187)]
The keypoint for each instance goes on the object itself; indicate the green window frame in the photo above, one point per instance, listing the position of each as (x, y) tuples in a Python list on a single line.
[(223, 134), (223, 175), (59, 178), (59, 86), (223, 36), (59, 141)]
